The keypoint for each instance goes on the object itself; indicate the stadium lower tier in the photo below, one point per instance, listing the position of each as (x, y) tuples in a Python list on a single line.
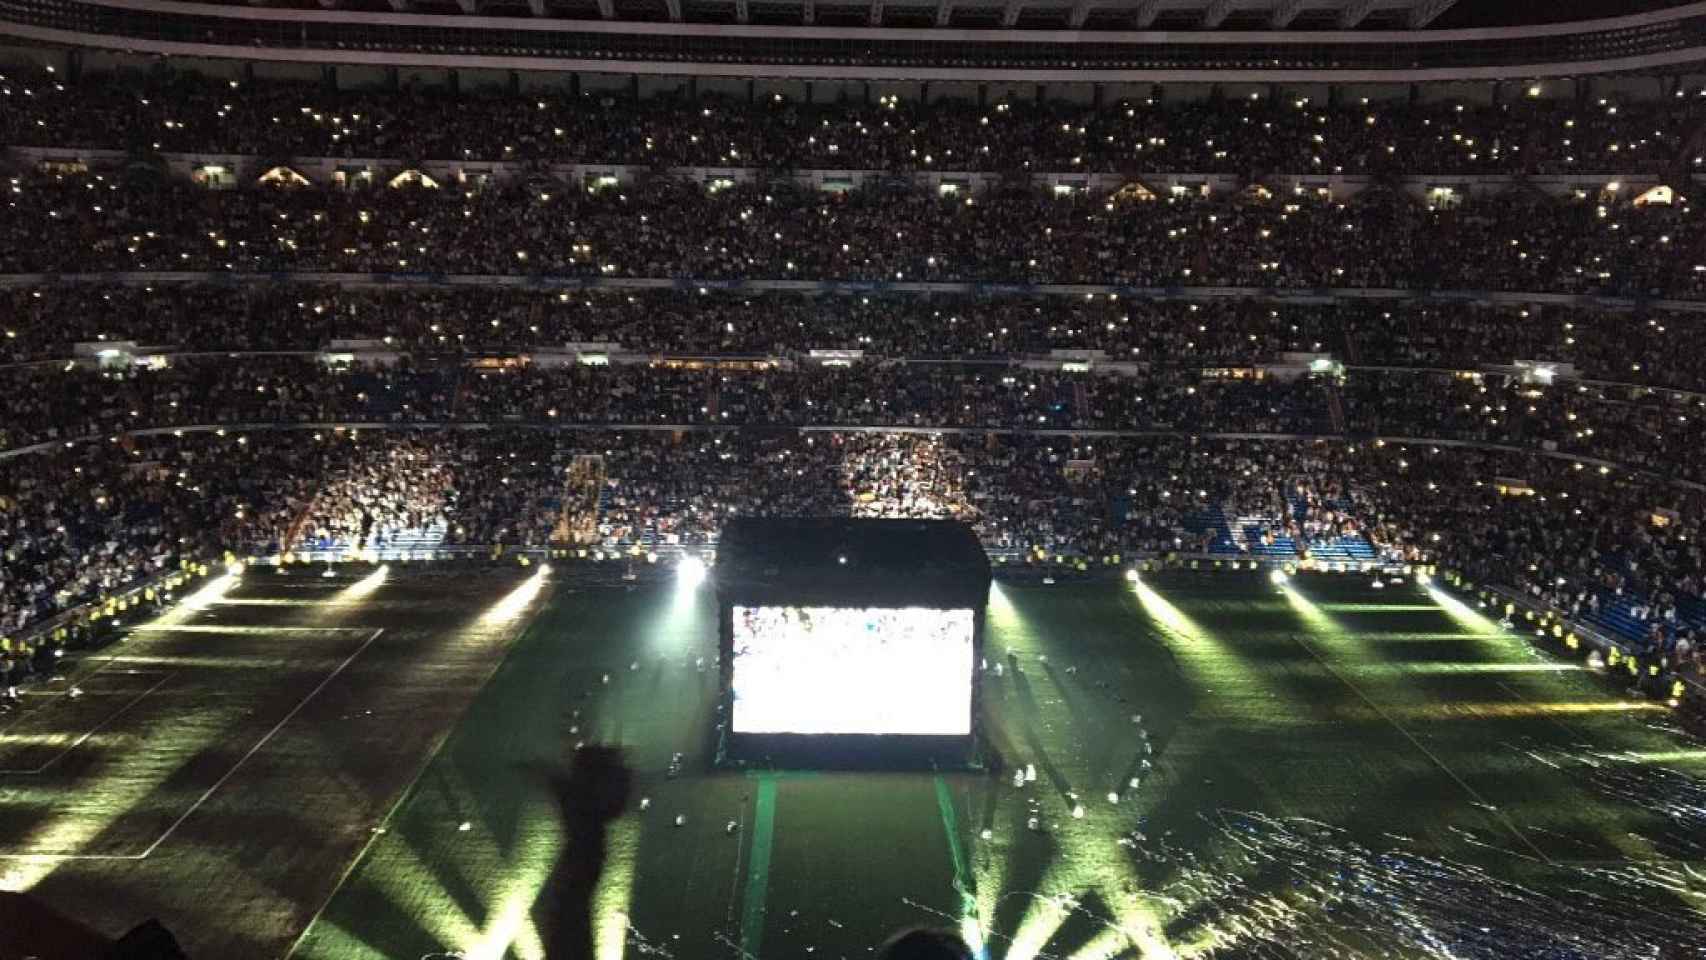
[(1616, 548), (1615, 425)]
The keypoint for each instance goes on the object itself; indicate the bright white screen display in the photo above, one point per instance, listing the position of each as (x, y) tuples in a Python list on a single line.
[(841, 670)]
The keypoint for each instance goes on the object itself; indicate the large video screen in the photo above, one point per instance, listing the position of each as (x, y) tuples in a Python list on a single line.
[(842, 670)]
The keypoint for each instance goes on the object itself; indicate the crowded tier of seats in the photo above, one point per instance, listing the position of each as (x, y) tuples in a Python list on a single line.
[(1582, 540), (1289, 133), (1602, 242), (45, 321)]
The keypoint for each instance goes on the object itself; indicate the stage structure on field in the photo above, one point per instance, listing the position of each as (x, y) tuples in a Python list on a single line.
[(850, 641)]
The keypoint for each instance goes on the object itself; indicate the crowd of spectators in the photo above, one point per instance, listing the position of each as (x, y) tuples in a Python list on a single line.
[(50, 402), (368, 499), (1627, 427), (1576, 538), (68, 405), (45, 322), (664, 227), (183, 112), (1638, 428), (79, 523), (1583, 542)]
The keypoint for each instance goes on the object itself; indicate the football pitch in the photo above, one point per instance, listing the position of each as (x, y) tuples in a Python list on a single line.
[(1192, 765)]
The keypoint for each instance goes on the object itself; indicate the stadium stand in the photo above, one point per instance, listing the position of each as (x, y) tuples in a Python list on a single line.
[(1437, 324)]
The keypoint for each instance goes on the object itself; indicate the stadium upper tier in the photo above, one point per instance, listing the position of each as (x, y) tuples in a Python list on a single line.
[(1558, 127), (1032, 40)]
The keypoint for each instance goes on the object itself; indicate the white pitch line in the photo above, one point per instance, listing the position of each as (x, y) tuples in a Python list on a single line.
[(85, 737), (261, 743), (230, 628), (70, 681), (208, 794), (1473, 793), (384, 825)]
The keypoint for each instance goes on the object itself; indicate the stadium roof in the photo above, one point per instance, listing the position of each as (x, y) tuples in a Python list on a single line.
[(1038, 41), (1047, 14), (1070, 14)]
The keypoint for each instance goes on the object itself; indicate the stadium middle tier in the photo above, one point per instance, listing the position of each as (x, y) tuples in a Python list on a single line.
[(1607, 240), (45, 320)]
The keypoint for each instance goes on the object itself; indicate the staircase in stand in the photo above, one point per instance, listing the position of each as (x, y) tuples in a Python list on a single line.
[(1336, 410), (583, 492)]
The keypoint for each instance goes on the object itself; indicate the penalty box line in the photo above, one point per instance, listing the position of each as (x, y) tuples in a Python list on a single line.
[(1474, 794), (97, 728), (210, 791)]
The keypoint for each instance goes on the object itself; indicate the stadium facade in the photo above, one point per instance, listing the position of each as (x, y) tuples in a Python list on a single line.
[(1084, 50)]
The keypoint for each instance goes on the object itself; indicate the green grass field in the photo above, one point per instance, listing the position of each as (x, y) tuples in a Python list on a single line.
[(1376, 712), (1331, 770)]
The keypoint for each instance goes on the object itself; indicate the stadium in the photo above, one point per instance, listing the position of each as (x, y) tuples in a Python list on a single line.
[(948, 479)]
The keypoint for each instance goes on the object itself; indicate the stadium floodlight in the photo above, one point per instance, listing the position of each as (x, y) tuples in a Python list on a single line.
[(690, 571), (365, 587), (515, 603)]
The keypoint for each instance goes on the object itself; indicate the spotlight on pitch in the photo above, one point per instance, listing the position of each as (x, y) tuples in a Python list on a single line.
[(365, 587), (1277, 577), (690, 571)]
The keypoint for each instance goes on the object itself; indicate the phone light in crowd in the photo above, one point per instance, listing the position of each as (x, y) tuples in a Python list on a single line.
[(690, 571)]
